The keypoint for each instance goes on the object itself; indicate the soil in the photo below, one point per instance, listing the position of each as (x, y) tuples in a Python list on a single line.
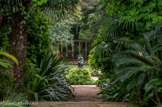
[(86, 93)]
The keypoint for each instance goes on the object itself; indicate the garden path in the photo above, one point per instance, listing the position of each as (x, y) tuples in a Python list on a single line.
[(86, 93)]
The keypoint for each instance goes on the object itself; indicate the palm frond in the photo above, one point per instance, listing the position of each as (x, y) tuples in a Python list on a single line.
[(9, 56)]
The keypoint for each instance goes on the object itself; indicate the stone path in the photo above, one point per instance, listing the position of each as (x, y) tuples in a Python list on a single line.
[(83, 104), (86, 96), (86, 93)]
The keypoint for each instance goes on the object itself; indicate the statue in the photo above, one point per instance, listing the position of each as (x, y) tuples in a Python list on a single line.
[(80, 61)]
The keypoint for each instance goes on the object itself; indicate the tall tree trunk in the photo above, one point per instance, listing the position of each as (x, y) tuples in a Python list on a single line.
[(18, 41)]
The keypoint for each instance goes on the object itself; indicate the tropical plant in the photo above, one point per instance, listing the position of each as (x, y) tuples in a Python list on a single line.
[(6, 78), (16, 13), (15, 100), (146, 12), (50, 83), (61, 32), (56, 10), (5, 63), (106, 43), (6, 82), (38, 37), (116, 91), (79, 77), (141, 66), (99, 55)]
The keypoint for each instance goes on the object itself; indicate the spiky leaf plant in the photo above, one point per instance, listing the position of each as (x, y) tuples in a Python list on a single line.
[(141, 66), (50, 83)]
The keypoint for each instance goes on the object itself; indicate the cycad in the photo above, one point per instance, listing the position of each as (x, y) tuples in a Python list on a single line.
[(140, 64)]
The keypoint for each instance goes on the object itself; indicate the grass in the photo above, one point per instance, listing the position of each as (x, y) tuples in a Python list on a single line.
[(92, 71), (76, 66)]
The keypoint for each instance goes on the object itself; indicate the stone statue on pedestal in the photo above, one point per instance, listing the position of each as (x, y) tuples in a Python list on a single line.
[(80, 61)]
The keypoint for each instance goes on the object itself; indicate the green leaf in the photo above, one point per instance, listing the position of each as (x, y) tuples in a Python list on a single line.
[(9, 56)]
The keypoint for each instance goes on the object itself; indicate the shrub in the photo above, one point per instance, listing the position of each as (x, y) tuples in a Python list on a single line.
[(136, 76), (6, 78), (80, 77), (141, 67), (76, 63), (50, 83), (15, 99), (38, 38)]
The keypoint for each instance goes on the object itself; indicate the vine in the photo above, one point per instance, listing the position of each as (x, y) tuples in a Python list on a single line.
[(146, 12)]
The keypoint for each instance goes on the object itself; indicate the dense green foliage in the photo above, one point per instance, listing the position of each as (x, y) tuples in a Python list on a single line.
[(136, 75), (38, 38), (6, 78), (141, 67), (79, 77), (146, 12), (19, 99), (49, 82), (127, 49), (60, 32), (129, 59), (4, 43), (25, 32), (6, 82), (5, 63)]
